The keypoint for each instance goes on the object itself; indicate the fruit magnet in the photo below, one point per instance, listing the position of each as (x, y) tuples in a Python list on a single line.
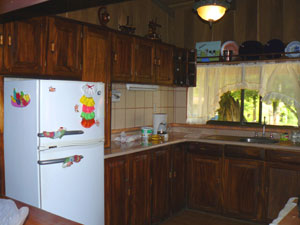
[(19, 99)]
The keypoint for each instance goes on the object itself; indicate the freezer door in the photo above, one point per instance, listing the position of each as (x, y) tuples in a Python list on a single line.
[(71, 113), (75, 192)]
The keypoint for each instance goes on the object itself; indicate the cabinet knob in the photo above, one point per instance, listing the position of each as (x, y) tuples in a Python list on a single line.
[(9, 40), (52, 46), (1, 39), (158, 62)]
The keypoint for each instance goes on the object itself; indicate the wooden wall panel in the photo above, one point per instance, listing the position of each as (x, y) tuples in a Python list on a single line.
[(291, 20), (270, 20), (223, 30), (245, 20)]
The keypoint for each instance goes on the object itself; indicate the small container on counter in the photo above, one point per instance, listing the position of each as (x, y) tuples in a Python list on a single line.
[(146, 132)]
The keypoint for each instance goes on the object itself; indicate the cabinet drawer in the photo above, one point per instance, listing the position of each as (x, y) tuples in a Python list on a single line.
[(205, 149), (246, 152), (283, 156)]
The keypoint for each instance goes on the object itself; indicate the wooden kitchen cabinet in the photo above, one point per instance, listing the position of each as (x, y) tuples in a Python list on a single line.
[(127, 190), (204, 176), (184, 63), (116, 191), (122, 58), (140, 189), (96, 51), (178, 194), (64, 48), (243, 182), (23, 43), (144, 61), (2, 68), (161, 176), (283, 180), (163, 64)]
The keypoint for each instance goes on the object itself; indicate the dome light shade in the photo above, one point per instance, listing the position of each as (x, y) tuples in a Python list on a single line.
[(211, 10)]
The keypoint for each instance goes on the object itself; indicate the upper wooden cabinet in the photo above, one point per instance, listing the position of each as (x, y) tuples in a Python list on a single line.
[(122, 58), (24, 46), (163, 64), (144, 61), (64, 52), (184, 67), (96, 53), (42, 45), (141, 60)]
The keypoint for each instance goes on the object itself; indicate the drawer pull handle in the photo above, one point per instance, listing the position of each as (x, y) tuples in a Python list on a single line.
[(52, 47), (9, 40), (1, 39)]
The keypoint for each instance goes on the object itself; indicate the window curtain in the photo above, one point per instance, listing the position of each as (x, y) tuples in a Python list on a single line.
[(272, 80)]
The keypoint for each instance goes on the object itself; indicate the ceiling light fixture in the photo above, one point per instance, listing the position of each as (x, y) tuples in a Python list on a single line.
[(211, 10)]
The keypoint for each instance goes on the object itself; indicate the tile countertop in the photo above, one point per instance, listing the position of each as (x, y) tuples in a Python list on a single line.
[(119, 149)]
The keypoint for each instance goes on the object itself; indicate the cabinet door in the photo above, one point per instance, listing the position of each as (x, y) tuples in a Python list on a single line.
[(2, 69), (25, 46), (178, 178), (243, 188), (204, 182), (161, 174), (140, 171), (144, 61), (283, 183), (179, 66), (116, 191), (122, 58), (64, 53), (164, 64), (96, 52)]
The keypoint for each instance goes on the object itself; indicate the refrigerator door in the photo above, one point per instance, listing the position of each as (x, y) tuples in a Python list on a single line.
[(71, 113), (75, 192), (20, 140)]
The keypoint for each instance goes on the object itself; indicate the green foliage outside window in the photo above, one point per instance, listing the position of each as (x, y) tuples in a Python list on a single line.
[(276, 113)]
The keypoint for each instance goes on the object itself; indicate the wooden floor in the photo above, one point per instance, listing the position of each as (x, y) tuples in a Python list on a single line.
[(191, 217)]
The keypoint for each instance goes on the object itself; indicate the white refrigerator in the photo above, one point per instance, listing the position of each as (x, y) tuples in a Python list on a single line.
[(53, 146)]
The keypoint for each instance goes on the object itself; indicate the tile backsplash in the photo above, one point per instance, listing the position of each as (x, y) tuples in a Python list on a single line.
[(135, 108)]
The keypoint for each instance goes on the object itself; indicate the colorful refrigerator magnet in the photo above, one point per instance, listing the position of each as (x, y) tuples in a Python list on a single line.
[(88, 103), (19, 99)]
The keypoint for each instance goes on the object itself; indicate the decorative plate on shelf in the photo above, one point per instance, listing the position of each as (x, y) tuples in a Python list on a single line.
[(251, 50), (230, 45), (274, 46), (293, 46)]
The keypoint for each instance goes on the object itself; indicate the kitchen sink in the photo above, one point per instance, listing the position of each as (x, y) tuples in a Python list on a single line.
[(259, 140)]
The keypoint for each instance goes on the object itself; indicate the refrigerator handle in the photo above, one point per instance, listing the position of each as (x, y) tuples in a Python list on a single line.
[(68, 161)]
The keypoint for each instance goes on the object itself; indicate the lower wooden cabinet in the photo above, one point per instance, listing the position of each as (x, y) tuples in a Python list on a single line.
[(204, 188), (140, 189), (161, 176), (116, 191), (127, 190), (178, 191), (243, 188), (283, 183)]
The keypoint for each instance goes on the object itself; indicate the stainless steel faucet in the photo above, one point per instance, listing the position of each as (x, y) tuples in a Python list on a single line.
[(264, 127)]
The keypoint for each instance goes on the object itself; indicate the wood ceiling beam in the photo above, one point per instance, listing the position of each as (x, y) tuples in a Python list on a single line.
[(21, 9)]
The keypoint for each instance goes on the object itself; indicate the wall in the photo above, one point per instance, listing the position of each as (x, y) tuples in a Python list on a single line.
[(260, 20), (135, 108), (140, 12)]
